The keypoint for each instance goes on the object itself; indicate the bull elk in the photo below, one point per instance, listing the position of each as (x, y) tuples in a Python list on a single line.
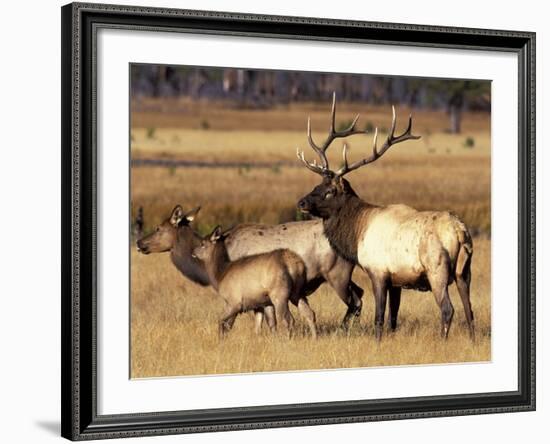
[(398, 246), (305, 238), (262, 280)]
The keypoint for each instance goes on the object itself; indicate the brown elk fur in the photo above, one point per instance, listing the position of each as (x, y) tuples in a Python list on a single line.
[(258, 281)]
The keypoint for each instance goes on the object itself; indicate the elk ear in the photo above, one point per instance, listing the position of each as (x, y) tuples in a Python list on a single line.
[(345, 186), (216, 234), (190, 216), (177, 215)]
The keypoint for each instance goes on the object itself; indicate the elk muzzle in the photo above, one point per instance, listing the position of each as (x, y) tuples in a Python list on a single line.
[(142, 247), (304, 205)]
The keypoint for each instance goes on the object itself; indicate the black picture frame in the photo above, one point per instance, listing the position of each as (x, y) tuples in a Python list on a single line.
[(80, 420)]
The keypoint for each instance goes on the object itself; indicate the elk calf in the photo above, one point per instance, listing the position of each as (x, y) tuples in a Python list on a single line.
[(262, 280)]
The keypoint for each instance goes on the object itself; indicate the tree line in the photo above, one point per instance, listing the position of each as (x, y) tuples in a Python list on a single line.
[(266, 88)]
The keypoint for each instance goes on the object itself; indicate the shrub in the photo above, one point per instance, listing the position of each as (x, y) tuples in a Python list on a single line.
[(469, 142), (151, 133)]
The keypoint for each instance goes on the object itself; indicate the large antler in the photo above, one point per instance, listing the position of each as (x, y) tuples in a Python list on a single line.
[(323, 167), (376, 153), (332, 135)]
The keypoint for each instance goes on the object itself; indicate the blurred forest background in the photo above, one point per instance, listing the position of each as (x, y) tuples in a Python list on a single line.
[(263, 89), (226, 139), (242, 126)]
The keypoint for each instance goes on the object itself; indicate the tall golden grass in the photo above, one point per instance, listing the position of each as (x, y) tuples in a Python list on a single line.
[(174, 322), (229, 195), (174, 328)]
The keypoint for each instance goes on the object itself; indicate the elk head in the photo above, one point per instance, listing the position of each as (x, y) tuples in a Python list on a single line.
[(165, 235), (206, 248), (334, 190)]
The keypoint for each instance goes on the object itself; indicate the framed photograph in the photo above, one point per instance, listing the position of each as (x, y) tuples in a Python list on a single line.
[(282, 221)]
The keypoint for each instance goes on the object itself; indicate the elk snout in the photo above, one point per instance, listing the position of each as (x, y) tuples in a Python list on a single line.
[(303, 205), (141, 247)]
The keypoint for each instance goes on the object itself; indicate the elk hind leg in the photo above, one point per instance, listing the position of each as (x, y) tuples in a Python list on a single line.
[(463, 279), (438, 273), (439, 284)]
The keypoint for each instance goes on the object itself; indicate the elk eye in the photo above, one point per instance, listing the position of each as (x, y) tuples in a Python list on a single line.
[(329, 195)]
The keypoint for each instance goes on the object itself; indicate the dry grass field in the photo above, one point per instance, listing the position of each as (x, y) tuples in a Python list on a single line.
[(174, 322), (175, 330)]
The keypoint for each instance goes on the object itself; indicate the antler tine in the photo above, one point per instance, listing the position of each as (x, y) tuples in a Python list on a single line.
[(409, 126), (333, 134), (311, 166), (333, 114), (391, 140), (319, 150), (375, 143), (393, 122), (345, 155), (406, 135)]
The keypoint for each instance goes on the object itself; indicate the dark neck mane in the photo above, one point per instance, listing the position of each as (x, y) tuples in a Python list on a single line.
[(345, 226), (181, 255)]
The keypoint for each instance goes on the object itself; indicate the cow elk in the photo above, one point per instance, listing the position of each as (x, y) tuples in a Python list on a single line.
[(262, 280), (398, 246)]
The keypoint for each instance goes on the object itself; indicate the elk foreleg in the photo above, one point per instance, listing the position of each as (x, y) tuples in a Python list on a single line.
[(285, 321), (269, 314), (395, 301), (308, 314), (357, 294), (380, 290), (349, 292), (228, 319), (258, 319)]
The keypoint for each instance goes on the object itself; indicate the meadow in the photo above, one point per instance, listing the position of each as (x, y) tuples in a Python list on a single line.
[(174, 322)]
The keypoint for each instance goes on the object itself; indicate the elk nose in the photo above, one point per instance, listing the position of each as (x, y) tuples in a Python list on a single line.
[(302, 204), (140, 247)]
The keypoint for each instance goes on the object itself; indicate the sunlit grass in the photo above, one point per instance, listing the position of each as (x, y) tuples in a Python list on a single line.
[(174, 328)]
